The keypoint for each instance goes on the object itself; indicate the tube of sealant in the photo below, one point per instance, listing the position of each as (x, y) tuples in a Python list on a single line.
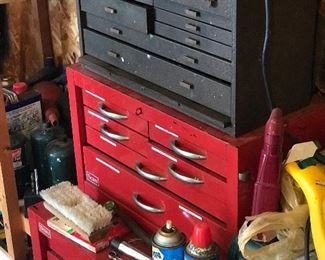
[(129, 250)]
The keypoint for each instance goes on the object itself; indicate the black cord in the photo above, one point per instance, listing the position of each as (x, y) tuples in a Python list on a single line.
[(307, 239), (265, 51)]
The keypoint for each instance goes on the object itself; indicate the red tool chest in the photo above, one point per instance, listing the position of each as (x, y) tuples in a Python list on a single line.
[(159, 164)]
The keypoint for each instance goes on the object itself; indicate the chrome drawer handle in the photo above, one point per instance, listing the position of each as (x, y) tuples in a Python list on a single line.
[(111, 115), (113, 54), (192, 13), (186, 85), (115, 31), (148, 176), (192, 27), (178, 176), (186, 154), (191, 41), (190, 59), (110, 10), (116, 137), (145, 207)]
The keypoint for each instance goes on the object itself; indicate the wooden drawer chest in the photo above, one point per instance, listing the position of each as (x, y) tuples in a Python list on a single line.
[(204, 57)]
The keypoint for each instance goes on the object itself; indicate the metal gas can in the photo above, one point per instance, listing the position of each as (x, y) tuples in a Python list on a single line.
[(168, 243), (60, 161)]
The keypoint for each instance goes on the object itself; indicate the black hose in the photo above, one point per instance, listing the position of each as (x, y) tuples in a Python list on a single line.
[(266, 46), (307, 239)]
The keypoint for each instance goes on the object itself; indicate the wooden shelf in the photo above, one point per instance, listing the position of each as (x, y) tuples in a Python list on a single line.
[(26, 227)]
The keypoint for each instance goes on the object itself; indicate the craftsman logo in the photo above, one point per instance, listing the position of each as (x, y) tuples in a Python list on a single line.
[(44, 230), (92, 179)]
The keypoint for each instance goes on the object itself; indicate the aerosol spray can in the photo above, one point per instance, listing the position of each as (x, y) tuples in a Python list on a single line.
[(168, 243), (201, 246)]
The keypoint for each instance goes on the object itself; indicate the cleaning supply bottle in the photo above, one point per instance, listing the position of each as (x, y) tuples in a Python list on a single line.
[(60, 161)]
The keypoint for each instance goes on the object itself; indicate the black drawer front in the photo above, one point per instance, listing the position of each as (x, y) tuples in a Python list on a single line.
[(210, 93), (194, 41), (192, 58), (220, 15), (193, 26), (131, 15)]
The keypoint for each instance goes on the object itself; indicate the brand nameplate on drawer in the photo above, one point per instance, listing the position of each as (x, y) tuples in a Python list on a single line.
[(107, 165), (98, 116), (108, 141), (44, 230), (94, 95), (92, 178), (189, 212), (166, 131), (163, 154)]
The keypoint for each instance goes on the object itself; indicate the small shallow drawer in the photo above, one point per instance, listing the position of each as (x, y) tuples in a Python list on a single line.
[(169, 49), (113, 105), (194, 26), (219, 14), (152, 202), (195, 184), (114, 133), (113, 149), (129, 14), (184, 145), (196, 87), (194, 41)]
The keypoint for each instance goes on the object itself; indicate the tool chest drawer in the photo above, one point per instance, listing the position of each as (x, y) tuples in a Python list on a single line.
[(219, 15), (176, 52), (198, 88), (194, 26), (129, 14), (194, 41), (113, 105), (147, 199), (114, 133)]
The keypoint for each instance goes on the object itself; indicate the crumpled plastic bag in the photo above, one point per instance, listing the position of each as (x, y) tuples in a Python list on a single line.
[(287, 227)]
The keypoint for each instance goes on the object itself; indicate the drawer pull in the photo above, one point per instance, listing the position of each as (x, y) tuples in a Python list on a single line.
[(191, 41), (116, 137), (145, 207), (185, 84), (192, 27), (178, 176), (113, 54), (190, 59), (110, 10), (115, 31), (148, 176), (192, 13), (111, 115), (186, 154)]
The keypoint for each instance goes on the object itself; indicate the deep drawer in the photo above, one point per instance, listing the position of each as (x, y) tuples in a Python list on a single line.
[(194, 41), (115, 134), (198, 152), (194, 26), (114, 105), (149, 201), (177, 52), (219, 15), (132, 15), (200, 89)]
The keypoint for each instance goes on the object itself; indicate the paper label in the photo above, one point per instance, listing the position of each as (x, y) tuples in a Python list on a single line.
[(16, 158), (44, 230)]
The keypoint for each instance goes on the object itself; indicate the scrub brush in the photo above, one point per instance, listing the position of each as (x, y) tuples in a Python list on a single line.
[(71, 205)]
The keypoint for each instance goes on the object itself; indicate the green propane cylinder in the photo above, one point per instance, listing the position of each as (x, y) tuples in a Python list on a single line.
[(18, 144), (40, 138), (60, 160)]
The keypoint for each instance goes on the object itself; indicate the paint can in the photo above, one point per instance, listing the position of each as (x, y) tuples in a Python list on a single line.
[(168, 243)]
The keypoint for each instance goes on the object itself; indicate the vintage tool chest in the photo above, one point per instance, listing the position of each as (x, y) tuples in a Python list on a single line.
[(203, 57), (159, 164)]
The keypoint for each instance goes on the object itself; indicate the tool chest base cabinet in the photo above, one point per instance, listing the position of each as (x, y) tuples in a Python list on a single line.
[(204, 58), (160, 164)]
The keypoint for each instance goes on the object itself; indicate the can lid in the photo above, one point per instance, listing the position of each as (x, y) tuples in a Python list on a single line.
[(168, 236), (201, 236), (19, 87)]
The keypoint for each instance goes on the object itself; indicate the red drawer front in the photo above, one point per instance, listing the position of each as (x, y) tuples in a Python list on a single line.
[(51, 255), (149, 201), (208, 191), (116, 132), (188, 148), (99, 98), (112, 148)]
